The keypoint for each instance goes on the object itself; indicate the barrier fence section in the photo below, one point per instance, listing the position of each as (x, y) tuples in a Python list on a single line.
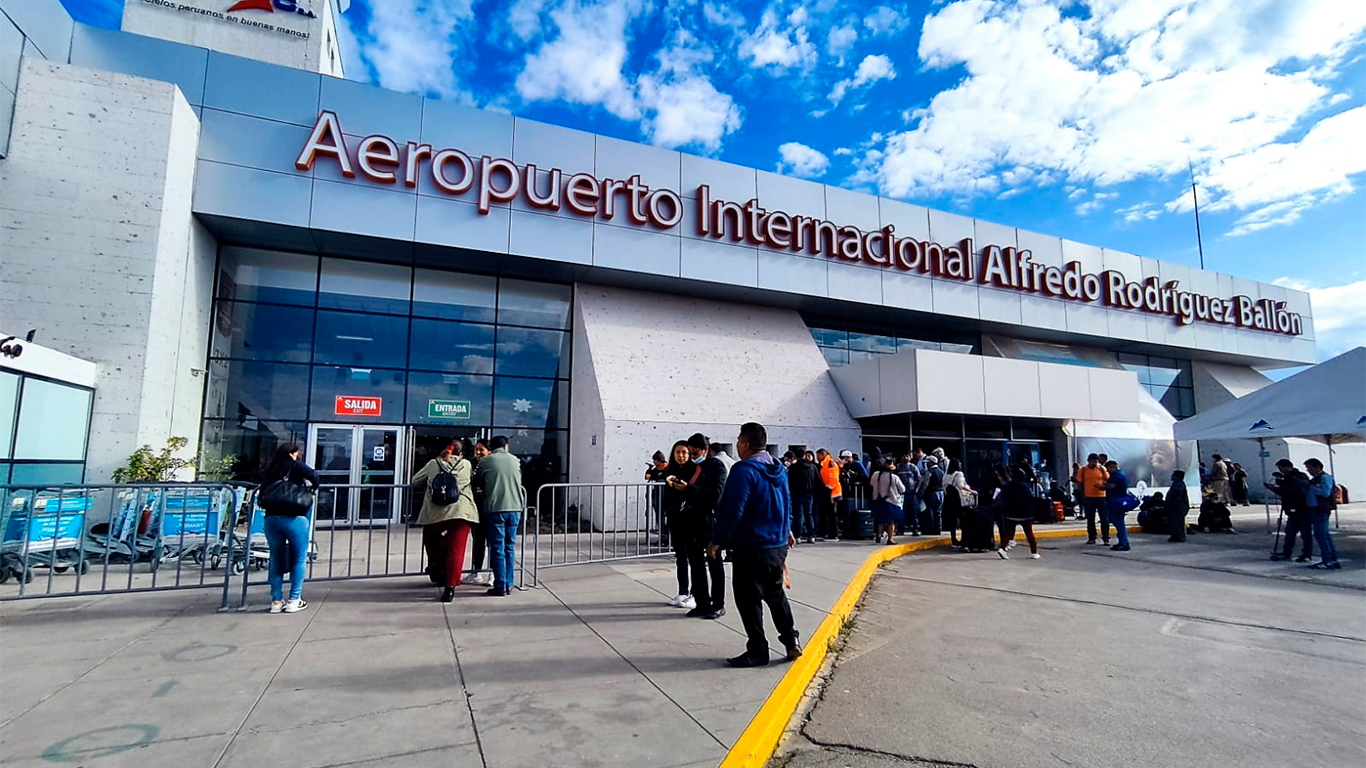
[(578, 523), (102, 539)]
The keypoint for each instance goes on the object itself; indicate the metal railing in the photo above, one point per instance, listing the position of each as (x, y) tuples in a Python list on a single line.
[(578, 523), (101, 539)]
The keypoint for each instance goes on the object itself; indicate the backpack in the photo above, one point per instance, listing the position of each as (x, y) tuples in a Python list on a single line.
[(445, 489)]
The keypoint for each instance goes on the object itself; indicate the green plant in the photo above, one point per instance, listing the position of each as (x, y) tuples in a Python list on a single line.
[(218, 470), (146, 466)]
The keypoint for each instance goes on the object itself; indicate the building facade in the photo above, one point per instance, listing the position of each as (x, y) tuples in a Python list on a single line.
[(255, 254)]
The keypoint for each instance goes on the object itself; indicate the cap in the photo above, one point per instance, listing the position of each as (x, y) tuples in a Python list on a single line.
[(846, 454), (931, 459), (659, 456)]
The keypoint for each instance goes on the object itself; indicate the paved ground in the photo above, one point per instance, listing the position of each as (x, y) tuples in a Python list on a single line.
[(1169, 655), (591, 670)]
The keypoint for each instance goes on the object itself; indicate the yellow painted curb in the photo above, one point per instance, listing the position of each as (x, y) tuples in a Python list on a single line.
[(755, 746)]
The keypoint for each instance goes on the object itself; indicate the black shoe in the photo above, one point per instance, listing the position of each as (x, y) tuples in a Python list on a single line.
[(1090, 541), (793, 652), (701, 610), (1119, 548), (447, 594), (1303, 559), (744, 660), (431, 574), (1104, 543), (496, 592), (717, 613)]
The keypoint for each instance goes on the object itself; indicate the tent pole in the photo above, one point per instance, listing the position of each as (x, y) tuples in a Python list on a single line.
[(1337, 516), (1266, 500)]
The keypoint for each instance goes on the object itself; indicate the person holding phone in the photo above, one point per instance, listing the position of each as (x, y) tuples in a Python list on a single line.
[(700, 487)]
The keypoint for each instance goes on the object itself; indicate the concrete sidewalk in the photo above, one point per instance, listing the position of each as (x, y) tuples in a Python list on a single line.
[(592, 669)]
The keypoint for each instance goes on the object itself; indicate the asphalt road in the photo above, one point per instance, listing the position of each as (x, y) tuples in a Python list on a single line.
[(1093, 658)]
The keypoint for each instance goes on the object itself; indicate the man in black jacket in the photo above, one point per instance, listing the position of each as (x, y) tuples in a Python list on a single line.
[(701, 492), (804, 480), (1292, 486)]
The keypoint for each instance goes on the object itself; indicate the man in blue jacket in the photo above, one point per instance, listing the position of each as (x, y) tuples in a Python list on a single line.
[(754, 523)]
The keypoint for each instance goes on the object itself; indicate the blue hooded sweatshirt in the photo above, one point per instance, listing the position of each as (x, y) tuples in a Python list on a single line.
[(755, 510)]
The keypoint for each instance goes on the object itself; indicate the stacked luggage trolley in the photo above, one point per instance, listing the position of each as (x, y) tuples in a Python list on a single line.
[(97, 539)]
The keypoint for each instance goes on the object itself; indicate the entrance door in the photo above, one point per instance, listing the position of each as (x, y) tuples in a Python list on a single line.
[(362, 468)]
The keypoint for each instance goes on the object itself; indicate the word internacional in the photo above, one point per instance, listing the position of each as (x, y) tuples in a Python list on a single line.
[(496, 180)]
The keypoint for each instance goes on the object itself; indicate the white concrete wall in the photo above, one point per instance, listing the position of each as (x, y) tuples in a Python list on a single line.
[(101, 253), (650, 369), (228, 35)]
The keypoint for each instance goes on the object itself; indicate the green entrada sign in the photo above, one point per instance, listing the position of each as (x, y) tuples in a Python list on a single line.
[(448, 409)]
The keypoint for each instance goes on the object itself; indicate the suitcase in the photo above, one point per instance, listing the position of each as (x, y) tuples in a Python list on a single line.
[(978, 525), (1043, 511), (863, 524)]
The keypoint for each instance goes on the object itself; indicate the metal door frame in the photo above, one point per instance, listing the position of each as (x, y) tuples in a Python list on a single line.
[(402, 456)]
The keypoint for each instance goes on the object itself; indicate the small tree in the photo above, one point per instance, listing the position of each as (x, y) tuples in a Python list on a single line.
[(144, 466), (220, 470)]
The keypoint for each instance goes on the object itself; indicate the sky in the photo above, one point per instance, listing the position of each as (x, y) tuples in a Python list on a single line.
[(1079, 119)]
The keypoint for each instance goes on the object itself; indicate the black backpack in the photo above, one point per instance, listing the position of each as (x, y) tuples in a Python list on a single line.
[(445, 489)]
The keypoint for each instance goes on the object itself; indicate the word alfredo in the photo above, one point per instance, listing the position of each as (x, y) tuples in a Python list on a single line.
[(496, 181)]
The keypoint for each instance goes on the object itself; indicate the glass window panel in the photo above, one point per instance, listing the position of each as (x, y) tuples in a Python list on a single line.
[(1161, 378), (9, 399), (1142, 371), (896, 424), (544, 455), (987, 427), (1187, 402), (47, 474), (442, 346), (530, 403), (331, 382), (4, 472), (860, 342), (1128, 358), (857, 357), (966, 343), (54, 420), (828, 337), (365, 286), (935, 425), (250, 274), (241, 389), (1032, 431), (524, 352), (1184, 379), (1162, 362), (916, 344), (1178, 402), (351, 338), (962, 349), (834, 357), (262, 332), (250, 441), (455, 296), (449, 389), (543, 305)]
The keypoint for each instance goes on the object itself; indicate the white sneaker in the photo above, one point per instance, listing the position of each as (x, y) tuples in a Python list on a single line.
[(1002, 553), (1034, 556), (276, 606), (676, 600), (294, 606), (1010, 544), (687, 602), (482, 579)]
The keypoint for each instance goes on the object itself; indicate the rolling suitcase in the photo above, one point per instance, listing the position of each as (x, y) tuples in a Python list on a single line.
[(977, 525)]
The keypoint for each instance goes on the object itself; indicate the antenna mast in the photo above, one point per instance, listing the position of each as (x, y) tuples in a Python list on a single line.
[(1199, 241)]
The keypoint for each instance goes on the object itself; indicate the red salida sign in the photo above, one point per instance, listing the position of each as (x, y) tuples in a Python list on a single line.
[(354, 405)]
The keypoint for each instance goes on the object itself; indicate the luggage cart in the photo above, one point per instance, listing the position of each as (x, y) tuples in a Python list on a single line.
[(191, 522), (252, 550), (131, 534), (43, 529)]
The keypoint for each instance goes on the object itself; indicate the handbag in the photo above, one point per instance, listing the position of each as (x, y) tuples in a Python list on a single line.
[(286, 493)]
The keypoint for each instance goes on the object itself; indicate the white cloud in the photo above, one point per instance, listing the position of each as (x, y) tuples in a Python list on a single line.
[(525, 18), (1097, 201), (1339, 314), (722, 15), (801, 160), (411, 46), (1130, 92), (885, 20), (1140, 212), (840, 41), (584, 62), (842, 151), (870, 70), (779, 43)]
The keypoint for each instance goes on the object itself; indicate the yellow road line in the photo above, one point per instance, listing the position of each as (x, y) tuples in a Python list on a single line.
[(755, 746)]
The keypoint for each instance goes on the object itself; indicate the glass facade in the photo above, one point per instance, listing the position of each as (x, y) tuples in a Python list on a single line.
[(44, 430), (292, 333), (843, 344), (976, 442), (1167, 379)]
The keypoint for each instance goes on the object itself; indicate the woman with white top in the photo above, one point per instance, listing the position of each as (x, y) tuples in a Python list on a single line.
[(887, 500)]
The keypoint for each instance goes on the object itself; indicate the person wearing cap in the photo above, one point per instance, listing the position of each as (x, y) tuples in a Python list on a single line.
[(701, 492), (754, 522), (655, 472), (931, 491)]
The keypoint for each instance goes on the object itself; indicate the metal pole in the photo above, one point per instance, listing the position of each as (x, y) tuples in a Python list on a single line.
[(1337, 516), (1266, 500), (1199, 241)]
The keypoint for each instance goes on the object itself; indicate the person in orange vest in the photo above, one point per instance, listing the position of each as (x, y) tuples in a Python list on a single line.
[(830, 476), (1092, 479)]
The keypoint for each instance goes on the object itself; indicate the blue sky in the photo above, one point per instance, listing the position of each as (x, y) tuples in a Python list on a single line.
[(1069, 118)]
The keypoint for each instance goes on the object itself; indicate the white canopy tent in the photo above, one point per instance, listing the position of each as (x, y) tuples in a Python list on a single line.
[(1325, 403)]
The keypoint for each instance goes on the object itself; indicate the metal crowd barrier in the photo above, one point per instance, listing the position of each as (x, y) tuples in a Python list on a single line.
[(578, 523), (102, 539)]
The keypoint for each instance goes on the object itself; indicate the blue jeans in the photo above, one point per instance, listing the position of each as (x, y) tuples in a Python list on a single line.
[(1121, 530), (1318, 521), (803, 517), (502, 541), (287, 536), (934, 504)]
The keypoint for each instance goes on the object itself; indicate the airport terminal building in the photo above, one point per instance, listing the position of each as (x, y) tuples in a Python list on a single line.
[(250, 250)]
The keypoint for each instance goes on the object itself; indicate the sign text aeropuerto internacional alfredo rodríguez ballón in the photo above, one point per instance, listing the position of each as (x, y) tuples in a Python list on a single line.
[(495, 180)]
